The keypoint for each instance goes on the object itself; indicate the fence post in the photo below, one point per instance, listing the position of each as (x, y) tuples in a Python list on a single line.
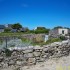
[(6, 42)]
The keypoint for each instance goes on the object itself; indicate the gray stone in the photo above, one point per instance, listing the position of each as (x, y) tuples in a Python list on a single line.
[(38, 48), (1, 58), (23, 63), (37, 58), (28, 51), (0, 65), (5, 65), (31, 61), (45, 56), (31, 56), (28, 55), (40, 60), (19, 63), (36, 54), (11, 62), (45, 49)]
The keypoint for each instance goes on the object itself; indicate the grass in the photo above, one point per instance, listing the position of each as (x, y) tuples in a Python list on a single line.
[(52, 40), (1, 41), (36, 41), (25, 40), (11, 34), (14, 34)]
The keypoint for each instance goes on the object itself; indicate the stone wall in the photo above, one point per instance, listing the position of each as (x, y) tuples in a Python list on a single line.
[(34, 54)]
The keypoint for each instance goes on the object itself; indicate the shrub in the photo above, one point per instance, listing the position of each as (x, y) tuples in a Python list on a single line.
[(7, 30), (62, 37), (25, 39), (53, 40), (8, 52), (38, 39)]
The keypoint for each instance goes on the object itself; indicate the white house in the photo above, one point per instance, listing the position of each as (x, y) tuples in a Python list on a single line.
[(59, 31), (62, 31)]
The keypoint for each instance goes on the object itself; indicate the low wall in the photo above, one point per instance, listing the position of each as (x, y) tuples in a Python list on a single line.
[(33, 55)]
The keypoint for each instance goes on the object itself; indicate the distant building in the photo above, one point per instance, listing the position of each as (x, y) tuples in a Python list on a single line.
[(59, 31), (14, 30), (2, 27), (23, 29), (8, 26)]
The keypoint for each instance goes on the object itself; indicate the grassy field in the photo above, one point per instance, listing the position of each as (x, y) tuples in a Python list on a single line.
[(36, 41), (11, 34)]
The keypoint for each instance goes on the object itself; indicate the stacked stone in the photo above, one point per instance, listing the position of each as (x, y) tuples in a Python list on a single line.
[(36, 54)]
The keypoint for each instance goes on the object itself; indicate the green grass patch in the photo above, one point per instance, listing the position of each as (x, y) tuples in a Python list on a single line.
[(53, 40), (11, 34), (25, 40)]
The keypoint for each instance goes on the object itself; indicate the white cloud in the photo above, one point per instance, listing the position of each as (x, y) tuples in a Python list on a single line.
[(24, 5)]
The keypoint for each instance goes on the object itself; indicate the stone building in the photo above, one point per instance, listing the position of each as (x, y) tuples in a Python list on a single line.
[(59, 32), (2, 27)]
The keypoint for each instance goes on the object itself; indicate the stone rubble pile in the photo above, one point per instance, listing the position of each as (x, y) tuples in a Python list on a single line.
[(33, 55)]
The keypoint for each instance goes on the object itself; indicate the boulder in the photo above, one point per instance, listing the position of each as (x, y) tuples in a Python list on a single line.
[(5, 65), (1, 58), (36, 54), (38, 48), (40, 59), (45, 49), (11, 62), (31, 61), (19, 63), (28, 55), (28, 51)]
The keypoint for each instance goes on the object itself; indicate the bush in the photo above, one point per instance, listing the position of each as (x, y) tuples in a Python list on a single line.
[(7, 30), (38, 39), (41, 31), (25, 40), (8, 52), (62, 37), (53, 40)]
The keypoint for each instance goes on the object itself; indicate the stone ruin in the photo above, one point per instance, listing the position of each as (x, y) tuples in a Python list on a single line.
[(34, 54)]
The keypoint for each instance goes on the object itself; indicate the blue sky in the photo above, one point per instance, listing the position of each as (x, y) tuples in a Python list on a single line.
[(33, 13)]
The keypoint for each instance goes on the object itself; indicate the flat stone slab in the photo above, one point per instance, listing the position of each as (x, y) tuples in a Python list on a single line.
[(31, 61), (28, 51), (36, 54), (28, 55)]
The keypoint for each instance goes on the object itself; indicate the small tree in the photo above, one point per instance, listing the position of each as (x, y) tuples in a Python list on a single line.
[(42, 30), (7, 30), (16, 26)]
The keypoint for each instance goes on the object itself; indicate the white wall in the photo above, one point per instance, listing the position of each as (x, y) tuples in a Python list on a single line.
[(46, 38), (65, 31), (1, 30)]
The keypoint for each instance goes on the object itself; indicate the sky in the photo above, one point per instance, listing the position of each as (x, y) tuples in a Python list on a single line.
[(34, 13)]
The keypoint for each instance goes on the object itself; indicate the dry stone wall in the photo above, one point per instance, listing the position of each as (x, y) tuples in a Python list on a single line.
[(35, 54)]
